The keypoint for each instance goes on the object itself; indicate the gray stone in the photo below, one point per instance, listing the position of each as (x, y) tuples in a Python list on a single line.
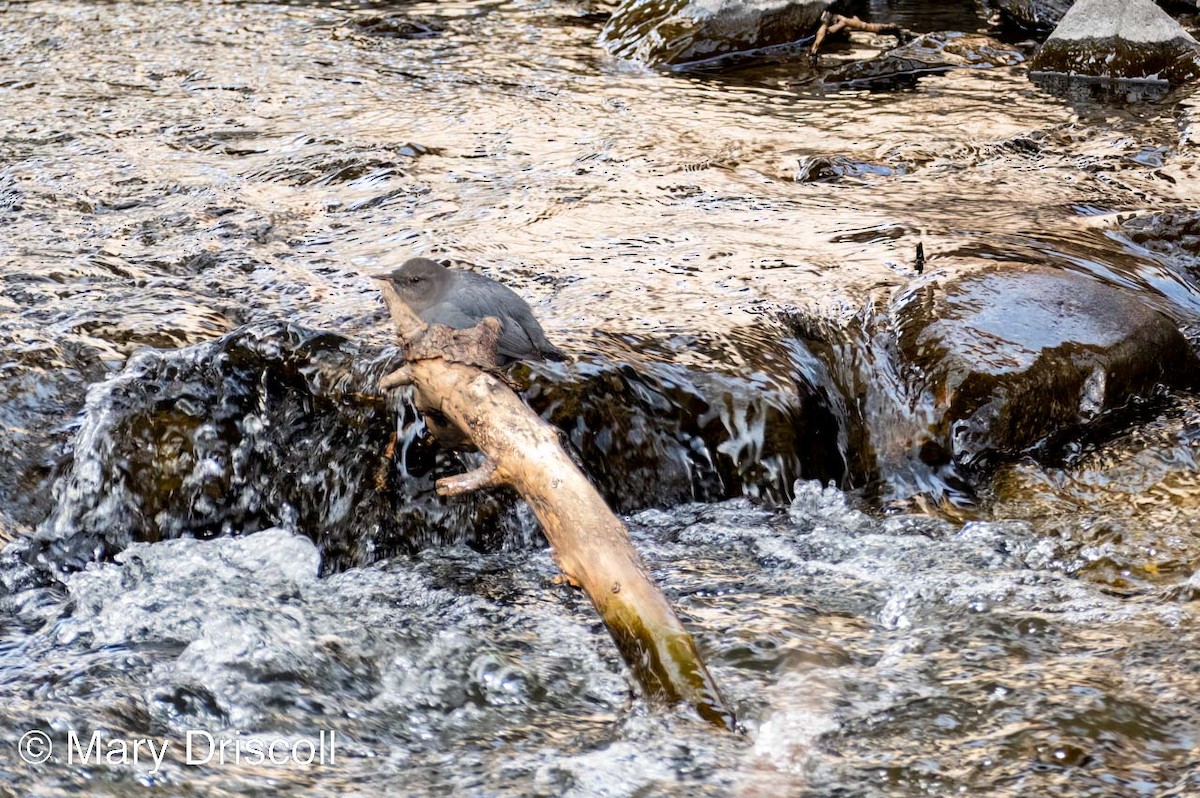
[(1120, 40), (1133, 20), (1043, 16), (666, 32)]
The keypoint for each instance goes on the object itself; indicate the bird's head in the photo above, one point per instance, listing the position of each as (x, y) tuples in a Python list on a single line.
[(420, 282)]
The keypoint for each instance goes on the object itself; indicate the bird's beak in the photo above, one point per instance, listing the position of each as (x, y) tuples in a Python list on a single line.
[(384, 276)]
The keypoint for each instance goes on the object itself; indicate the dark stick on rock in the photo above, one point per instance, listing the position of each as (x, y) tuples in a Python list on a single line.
[(833, 23)]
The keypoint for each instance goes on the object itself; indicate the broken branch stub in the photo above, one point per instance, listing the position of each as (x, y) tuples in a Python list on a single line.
[(589, 543)]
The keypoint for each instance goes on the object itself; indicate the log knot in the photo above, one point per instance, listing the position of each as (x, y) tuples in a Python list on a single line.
[(474, 346)]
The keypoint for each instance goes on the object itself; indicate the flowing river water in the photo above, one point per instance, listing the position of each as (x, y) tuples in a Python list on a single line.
[(212, 537)]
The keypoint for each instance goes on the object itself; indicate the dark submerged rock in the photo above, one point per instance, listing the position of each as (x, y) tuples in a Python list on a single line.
[(932, 53), (1119, 40), (277, 425), (1037, 16), (259, 428), (829, 169), (41, 390), (398, 26), (668, 32), (660, 435), (1173, 234)]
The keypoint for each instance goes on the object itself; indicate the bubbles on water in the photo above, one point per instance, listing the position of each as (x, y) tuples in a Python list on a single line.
[(848, 644)]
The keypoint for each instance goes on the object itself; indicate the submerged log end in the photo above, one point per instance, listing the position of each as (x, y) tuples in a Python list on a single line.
[(666, 663)]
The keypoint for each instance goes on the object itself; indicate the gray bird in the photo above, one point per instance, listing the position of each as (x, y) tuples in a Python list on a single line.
[(461, 299)]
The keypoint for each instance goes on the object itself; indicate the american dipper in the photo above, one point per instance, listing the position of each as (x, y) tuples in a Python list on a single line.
[(462, 299)]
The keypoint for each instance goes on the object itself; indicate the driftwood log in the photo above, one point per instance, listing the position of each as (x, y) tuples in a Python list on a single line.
[(450, 371), (833, 23)]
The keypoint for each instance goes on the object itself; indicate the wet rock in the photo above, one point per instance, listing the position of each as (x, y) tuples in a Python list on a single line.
[(931, 53), (1015, 358), (397, 26), (1039, 16), (341, 165), (62, 329), (828, 169), (1119, 40), (667, 32), (1042, 16), (277, 425), (657, 436), (1175, 235), (949, 378), (42, 386), (259, 428)]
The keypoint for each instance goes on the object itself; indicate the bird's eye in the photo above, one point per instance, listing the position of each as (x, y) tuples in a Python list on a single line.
[(414, 279)]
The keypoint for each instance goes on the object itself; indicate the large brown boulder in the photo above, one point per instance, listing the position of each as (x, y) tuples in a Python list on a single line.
[(1013, 358), (955, 374)]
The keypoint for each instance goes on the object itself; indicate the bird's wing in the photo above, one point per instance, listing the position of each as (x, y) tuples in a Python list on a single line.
[(522, 337), (536, 336), (481, 296), (450, 315), (514, 342)]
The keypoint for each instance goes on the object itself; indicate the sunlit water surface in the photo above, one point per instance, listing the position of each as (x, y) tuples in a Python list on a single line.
[(172, 172)]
